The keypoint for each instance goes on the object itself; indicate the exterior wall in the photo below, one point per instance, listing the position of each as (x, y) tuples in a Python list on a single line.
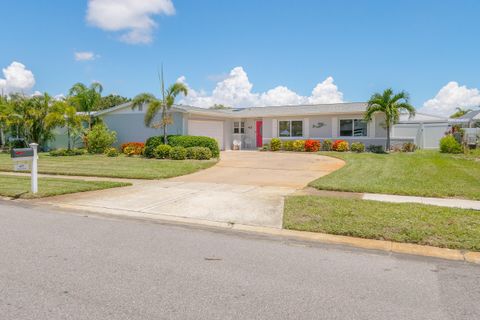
[(60, 140), (424, 135), (380, 131), (227, 128)]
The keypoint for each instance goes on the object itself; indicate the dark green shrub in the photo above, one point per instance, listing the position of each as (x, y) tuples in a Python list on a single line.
[(199, 153), (100, 138), (65, 152), (162, 151), (376, 149), (327, 145), (195, 141), (178, 153), (357, 147), (449, 144), (111, 152), (152, 143), (275, 144)]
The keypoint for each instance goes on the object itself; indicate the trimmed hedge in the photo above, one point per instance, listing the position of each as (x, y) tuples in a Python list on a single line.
[(152, 143), (162, 151), (199, 153), (178, 153), (195, 141)]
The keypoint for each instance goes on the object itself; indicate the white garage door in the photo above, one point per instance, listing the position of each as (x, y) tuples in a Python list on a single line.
[(212, 129)]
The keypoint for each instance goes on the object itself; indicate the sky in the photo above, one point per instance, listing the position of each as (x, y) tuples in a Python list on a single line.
[(248, 53)]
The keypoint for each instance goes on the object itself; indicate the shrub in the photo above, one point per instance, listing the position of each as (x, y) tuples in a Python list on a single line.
[(178, 153), (275, 144), (357, 147), (327, 145), (265, 147), (342, 144), (287, 145), (162, 151), (65, 152), (299, 145), (199, 153), (449, 144), (133, 148), (312, 145), (100, 138), (375, 148), (152, 143), (111, 152), (409, 147), (195, 141)]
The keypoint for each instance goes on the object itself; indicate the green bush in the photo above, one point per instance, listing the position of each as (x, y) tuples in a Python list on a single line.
[(409, 147), (357, 147), (178, 153), (275, 144), (162, 151), (65, 152), (287, 145), (99, 138), (195, 141), (327, 145), (341, 146), (376, 148), (449, 144), (265, 147), (299, 145), (111, 152), (199, 153), (152, 143)]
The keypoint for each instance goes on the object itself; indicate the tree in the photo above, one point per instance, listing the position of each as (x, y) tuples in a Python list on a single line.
[(86, 99), (391, 105), (156, 105), (66, 116), (111, 100), (6, 111), (219, 107), (460, 112)]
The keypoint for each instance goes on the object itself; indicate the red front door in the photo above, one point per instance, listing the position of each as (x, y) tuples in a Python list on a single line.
[(259, 134)]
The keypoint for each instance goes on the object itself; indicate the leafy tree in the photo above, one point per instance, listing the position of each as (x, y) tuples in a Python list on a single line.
[(66, 116), (85, 98), (219, 107), (156, 105), (111, 100), (391, 105), (6, 111), (460, 112)]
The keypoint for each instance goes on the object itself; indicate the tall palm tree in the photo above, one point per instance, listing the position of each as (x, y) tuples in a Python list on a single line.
[(391, 105), (460, 112), (155, 105), (85, 98)]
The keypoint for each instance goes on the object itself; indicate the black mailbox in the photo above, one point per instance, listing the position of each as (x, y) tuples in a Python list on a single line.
[(22, 153)]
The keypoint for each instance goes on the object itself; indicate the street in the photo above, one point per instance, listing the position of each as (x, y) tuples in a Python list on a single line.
[(65, 265)]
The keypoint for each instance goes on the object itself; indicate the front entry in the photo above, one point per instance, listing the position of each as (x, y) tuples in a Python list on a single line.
[(259, 125)]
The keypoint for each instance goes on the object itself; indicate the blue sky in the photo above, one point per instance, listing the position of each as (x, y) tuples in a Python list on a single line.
[(351, 48)]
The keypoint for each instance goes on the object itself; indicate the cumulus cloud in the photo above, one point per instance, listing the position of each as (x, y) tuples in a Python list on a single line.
[(85, 56), (451, 96), (17, 78), (134, 18), (236, 91)]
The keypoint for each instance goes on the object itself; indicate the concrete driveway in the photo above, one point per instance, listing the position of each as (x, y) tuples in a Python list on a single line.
[(246, 187)]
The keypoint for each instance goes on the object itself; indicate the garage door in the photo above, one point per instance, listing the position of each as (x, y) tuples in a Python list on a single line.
[(212, 129)]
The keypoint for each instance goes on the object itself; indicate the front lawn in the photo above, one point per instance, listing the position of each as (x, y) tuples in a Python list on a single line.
[(422, 173), (114, 167), (399, 222), (19, 187)]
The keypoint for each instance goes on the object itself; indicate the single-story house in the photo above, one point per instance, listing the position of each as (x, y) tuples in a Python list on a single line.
[(470, 122), (256, 126)]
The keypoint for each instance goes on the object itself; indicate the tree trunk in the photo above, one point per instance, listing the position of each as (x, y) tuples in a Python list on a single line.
[(164, 124), (68, 138), (388, 138), (89, 121), (2, 137)]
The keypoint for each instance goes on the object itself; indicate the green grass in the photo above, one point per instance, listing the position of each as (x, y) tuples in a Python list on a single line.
[(113, 167), (19, 187), (411, 223), (422, 173)]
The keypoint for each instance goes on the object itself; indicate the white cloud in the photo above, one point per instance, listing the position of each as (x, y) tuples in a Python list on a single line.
[(132, 17), (17, 78), (236, 91), (85, 56), (450, 97)]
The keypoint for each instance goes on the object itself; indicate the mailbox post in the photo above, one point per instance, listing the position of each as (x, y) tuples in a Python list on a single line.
[(34, 146), (24, 156)]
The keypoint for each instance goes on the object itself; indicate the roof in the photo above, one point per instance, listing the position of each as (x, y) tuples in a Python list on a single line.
[(472, 115), (421, 117)]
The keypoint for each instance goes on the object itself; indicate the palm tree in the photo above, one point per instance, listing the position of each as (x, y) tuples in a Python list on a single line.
[(86, 98), (156, 105), (391, 105), (460, 112), (65, 115)]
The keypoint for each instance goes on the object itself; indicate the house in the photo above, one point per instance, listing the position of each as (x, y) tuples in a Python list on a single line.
[(256, 126), (470, 123)]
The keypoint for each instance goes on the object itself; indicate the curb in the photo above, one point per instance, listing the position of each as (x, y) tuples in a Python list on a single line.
[(370, 244)]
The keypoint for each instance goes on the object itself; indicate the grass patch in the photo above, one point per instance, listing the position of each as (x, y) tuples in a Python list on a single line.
[(19, 187), (399, 222), (421, 173), (113, 167)]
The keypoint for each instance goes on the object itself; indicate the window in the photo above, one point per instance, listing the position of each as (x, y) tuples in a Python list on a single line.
[(290, 128), (353, 127), (238, 127)]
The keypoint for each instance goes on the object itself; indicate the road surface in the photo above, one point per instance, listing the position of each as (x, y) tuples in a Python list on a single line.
[(58, 265)]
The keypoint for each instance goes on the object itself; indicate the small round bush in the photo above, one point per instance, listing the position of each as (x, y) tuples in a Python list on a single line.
[(299, 145), (312, 145), (111, 152), (287, 145), (327, 145), (162, 151), (275, 144), (203, 153), (449, 144), (409, 147), (357, 147), (178, 153), (340, 146)]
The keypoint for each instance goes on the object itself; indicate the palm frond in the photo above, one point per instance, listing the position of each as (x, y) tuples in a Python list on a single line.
[(152, 111)]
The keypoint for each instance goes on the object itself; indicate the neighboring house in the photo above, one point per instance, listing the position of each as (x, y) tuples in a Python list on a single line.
[(470, 122), (254, 127)]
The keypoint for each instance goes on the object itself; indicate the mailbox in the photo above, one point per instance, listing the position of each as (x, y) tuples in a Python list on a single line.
[(22, 154)]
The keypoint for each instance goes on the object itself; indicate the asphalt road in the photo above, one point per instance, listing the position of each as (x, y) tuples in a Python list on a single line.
[(73, 266)]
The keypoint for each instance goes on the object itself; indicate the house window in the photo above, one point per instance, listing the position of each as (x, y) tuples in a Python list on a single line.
[(238, 127), (290, 128), (353, 128)]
